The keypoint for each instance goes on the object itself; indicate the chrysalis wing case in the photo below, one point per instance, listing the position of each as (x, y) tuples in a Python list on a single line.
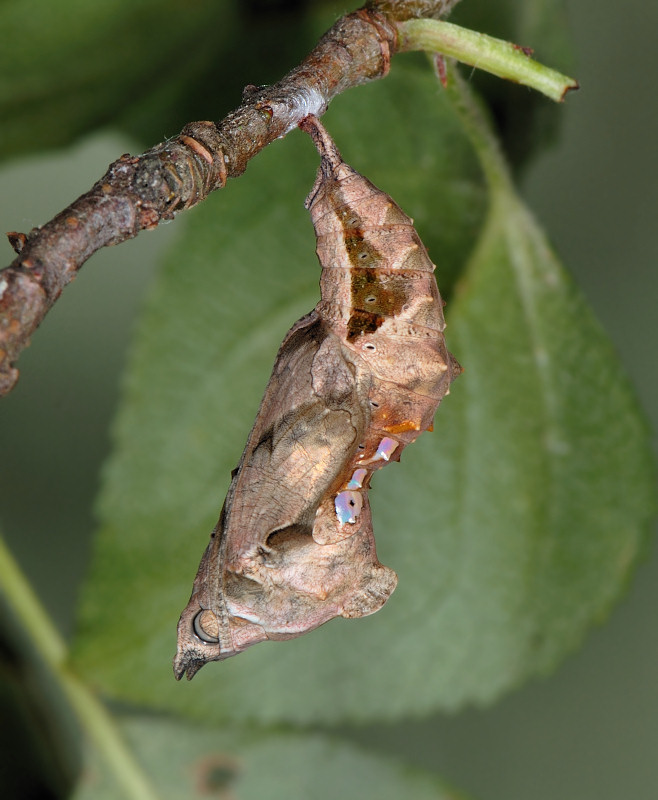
[(354, 382)]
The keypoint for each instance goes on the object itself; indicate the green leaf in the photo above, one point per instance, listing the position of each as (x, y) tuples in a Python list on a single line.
[(512, 527), (197, 762), (546, 471), (70, 66)]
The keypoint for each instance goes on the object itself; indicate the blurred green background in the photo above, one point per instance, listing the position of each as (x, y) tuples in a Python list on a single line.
[(591, 730)]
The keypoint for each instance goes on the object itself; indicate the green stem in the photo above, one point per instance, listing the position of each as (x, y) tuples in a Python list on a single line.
[(501, 58), (92, 714)]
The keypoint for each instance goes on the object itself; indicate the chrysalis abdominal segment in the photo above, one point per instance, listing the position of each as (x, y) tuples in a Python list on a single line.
[(354, 382)]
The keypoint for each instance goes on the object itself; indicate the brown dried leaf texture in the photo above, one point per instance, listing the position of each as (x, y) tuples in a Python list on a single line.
[(354, 382)]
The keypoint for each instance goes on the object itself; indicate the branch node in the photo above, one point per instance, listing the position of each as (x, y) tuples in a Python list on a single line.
[(383, 29)]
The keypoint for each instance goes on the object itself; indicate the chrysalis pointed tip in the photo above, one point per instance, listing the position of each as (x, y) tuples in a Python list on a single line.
[(184, 665)]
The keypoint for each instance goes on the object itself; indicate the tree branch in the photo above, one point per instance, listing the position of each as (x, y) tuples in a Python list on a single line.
[(136, 193)]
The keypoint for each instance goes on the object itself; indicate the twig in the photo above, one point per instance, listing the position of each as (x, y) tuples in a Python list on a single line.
[(138, 192)]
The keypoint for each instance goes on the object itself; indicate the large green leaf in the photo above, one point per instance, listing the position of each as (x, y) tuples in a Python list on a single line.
[(198, 762), (512, 527)]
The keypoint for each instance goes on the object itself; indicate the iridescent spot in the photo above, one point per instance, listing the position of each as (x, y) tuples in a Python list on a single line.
[(356, 481), (386, 448), (348, 505)]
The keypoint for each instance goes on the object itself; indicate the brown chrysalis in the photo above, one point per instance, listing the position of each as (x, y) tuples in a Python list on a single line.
[(354, 382)]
